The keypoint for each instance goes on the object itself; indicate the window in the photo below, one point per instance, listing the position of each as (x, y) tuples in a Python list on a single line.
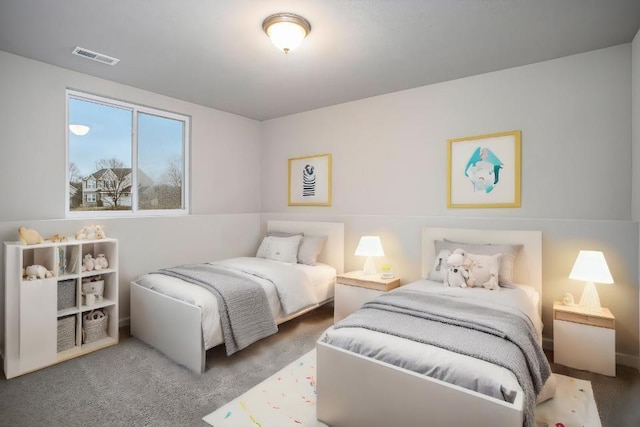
[(125, 158)]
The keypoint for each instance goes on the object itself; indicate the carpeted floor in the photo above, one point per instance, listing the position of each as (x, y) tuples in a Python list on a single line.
[(132, 384)]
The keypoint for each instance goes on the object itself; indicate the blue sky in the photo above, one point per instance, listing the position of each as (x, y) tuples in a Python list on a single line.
[(159, 138)]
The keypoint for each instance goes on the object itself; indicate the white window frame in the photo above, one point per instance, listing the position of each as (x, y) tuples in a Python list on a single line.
[(135, 109), (93, 198)]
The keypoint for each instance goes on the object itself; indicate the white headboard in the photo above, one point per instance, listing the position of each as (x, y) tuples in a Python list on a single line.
[(528, 263), (333, 252)]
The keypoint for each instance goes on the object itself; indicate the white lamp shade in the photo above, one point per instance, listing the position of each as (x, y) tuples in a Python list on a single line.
[(369, 246), (80, 130), (590, 266)]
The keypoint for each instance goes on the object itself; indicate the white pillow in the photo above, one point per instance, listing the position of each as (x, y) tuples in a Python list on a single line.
[(439, 266), (310, 248), (284, 249)]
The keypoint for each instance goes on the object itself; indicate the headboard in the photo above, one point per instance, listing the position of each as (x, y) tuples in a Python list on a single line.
[(528, 263), (333, 252)]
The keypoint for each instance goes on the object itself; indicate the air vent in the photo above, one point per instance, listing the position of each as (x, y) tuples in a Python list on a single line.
[(95, 56)]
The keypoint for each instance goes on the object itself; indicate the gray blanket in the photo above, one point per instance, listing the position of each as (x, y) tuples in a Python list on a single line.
[(244, 310), (496, 335)]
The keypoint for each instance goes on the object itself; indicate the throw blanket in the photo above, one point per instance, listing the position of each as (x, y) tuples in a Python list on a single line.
[(244, 311), (293, 286), (497, 335)]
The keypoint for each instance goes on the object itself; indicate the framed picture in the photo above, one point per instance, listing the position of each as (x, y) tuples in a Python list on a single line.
[(484, 171), (310, 181)]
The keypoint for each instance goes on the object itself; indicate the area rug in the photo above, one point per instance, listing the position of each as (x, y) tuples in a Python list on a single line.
[(288, 398)]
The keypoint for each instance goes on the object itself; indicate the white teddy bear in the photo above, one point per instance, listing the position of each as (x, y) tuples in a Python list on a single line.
[(88, 263), (456, 274)]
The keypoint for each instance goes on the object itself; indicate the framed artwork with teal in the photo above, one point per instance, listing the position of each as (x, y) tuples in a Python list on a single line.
[(484, 171)]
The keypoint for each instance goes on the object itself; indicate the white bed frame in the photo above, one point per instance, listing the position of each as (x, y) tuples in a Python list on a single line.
[(174, 327), (354, 390)]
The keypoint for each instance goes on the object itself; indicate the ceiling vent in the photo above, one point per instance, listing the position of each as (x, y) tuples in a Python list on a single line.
[(95, 56)]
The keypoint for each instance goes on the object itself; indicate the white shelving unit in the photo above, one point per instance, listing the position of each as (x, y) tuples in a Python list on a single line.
[(31, 306)]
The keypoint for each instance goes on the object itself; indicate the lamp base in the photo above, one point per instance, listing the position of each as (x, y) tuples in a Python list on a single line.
[(369, 267), (590, 300)]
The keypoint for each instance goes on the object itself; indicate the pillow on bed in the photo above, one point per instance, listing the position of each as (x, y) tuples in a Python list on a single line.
[(263, 250), (509, 253), (310, 248), (284, 249), (439, 266)]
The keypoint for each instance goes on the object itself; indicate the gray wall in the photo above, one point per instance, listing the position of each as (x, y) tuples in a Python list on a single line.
[(635, 118), (389, 169), (225, 166)]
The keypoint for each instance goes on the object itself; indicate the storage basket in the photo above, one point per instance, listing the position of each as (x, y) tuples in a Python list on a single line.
[(66, 294), (96, 287), (94, 326), (66, 333)]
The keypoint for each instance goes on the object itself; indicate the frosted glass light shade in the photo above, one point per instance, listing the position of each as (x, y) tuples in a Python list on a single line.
[(369, 246), (591, 267), (286, 30), (80, 130)]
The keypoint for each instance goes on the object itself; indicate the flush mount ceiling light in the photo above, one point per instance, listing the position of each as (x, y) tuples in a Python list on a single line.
[(286, 30), (80, 130)]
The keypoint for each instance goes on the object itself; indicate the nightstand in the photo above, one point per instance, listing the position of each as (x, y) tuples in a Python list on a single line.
[(353, 289), (584, 339)]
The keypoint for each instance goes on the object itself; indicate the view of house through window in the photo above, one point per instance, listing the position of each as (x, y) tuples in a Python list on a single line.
[(124, 157)]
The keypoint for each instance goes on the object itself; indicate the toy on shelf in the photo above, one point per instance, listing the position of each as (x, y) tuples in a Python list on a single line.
[(35, 272), (100, 262), (57, 238), (91, 232), (88, 263), (29, 236)]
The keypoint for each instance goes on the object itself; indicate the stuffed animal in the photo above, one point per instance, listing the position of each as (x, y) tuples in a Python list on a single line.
[(91, 232), (456, 274), (29, 236), (57, 238), (483, 271), (100, 262), (88, 263), (34, 272)]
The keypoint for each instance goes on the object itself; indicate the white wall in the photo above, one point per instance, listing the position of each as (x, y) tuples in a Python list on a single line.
[(389, 168), (225, 167), (635, 119)]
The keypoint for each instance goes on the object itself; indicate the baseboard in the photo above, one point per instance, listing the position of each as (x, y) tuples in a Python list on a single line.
[(126, 321), (621, 358)]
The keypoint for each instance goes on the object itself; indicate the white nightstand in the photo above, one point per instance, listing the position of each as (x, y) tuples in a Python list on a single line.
[(584, 339), (354, 289)]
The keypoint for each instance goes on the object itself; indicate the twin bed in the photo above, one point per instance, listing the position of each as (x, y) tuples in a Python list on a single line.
[(182, 320), (368, 377), (365, 376)]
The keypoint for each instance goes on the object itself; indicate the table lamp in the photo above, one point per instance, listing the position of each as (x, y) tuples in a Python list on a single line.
[(591, 267), (369, 246)]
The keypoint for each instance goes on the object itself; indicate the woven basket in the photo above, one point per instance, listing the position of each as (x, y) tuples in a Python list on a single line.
[(66, 333), (66, 294), (94, 326)]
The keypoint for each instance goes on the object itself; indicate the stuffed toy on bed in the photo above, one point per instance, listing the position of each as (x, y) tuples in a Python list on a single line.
[(483, 271), (456, 275)]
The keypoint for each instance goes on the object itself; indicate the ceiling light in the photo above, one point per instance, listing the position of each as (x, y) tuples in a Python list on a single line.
[(80, 130), (286, 30)]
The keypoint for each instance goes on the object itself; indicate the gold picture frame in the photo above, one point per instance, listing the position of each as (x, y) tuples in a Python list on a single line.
[(484, 171), (310, 180)]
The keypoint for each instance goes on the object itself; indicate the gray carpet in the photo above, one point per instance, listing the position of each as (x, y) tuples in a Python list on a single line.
[(132, 384)]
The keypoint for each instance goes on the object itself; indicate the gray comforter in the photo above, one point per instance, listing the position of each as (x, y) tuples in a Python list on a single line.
[(498, 335), (244, 310)]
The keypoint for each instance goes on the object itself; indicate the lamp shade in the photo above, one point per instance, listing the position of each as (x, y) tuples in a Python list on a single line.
[(590, 266), (369, 246), (286, 30)]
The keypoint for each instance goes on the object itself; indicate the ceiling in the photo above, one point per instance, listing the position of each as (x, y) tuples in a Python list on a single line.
[(214, 52)]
